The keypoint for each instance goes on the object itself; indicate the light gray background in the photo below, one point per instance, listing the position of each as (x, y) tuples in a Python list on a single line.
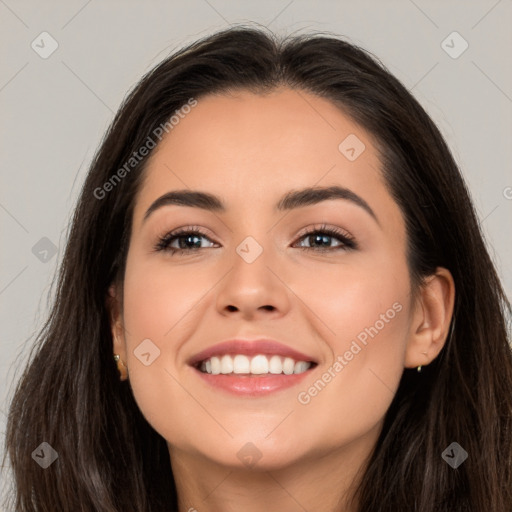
[(55, 110)]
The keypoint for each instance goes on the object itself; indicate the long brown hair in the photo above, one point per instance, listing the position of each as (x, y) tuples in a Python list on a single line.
[(111, 459)]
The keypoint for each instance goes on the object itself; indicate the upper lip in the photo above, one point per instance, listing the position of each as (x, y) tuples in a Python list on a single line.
[(250, 348)]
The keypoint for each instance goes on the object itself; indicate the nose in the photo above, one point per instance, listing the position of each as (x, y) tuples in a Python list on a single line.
[(254, 290)]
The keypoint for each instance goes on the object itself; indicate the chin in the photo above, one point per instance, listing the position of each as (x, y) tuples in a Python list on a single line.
[(256, 453)]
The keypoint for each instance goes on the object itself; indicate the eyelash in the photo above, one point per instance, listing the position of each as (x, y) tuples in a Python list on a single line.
[(348, 242)]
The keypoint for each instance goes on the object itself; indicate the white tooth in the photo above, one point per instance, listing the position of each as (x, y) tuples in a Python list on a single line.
[(259, 364), (226, 364), (275, 365), (241, 364), (301, 367), (288, 365), (215, 362)]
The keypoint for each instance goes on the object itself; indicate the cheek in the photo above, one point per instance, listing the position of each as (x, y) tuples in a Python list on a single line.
[(366, 312), (158, 296), (356, 298), (158, 301)]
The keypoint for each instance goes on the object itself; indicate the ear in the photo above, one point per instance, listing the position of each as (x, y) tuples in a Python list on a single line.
[(114, 308), (431, 319)]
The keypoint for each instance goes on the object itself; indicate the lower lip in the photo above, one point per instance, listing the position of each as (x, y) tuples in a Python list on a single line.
[(253, 385)]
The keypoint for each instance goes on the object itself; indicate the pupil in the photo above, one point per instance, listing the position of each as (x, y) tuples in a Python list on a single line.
[(187, 239), (321, 238)]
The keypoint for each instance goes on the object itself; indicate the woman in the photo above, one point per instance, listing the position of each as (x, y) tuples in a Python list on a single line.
[(275, 295)]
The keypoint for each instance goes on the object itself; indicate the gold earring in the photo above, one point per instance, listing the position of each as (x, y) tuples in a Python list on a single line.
[(419, 368), (121, 367)]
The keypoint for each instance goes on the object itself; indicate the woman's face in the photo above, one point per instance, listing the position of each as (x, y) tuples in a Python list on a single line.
[(338, 304)]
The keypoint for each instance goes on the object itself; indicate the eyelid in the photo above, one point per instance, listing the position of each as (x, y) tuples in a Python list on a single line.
[(187, 228), (324, 227)]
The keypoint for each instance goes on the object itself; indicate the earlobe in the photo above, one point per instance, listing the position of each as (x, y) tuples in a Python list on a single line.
[(431, 319)]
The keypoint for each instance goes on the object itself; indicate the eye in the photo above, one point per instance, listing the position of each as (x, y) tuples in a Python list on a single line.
[(188, 239), (321, 238)]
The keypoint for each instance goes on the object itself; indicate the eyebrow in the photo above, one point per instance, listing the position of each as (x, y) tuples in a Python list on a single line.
[(290, 201)]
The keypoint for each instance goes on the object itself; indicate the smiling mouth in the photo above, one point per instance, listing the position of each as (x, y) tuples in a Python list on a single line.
[(251, 366)]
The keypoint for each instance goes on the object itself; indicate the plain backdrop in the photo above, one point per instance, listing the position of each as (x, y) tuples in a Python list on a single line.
[(55, 109)]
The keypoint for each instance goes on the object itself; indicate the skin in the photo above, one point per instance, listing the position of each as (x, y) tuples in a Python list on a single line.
[(250, 150)]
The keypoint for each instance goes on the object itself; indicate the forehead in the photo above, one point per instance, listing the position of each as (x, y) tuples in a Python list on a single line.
[(251, 148)]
